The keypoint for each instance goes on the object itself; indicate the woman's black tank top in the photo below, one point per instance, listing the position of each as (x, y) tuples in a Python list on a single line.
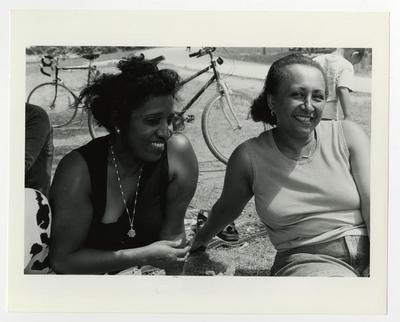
[(150, 207)]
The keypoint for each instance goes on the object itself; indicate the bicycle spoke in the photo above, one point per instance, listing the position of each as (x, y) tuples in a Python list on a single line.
[(221, 131), (56, 100)]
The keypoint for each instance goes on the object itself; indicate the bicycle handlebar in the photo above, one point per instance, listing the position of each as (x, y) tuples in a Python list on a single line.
[(43, 72), (49, 62), (203, 51), (194, 54), (157, 59)]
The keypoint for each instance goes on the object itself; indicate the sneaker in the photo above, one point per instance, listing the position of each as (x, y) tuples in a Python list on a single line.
[(229, 234)]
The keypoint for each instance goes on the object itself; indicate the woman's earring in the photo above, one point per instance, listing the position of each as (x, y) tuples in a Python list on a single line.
[(170, 133), (272, 113), (117, 130)]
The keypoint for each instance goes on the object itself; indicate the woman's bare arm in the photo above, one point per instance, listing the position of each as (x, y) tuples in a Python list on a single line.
[(183, 175), (236, 193), (359, 148)]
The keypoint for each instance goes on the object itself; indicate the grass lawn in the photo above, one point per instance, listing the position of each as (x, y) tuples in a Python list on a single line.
[(252, 258)]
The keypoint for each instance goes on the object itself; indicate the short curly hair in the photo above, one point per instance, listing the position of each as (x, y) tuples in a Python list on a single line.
[(112, 97), (260, 111)]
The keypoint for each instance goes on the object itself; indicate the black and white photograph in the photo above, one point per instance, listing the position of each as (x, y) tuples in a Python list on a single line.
[(129, 160), (192, 168)]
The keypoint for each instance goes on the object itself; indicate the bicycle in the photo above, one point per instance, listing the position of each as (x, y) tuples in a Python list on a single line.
[(58, 100), (225, 120)]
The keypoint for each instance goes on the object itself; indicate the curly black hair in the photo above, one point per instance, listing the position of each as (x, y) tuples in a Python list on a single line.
[(112, 97), (260, 111)]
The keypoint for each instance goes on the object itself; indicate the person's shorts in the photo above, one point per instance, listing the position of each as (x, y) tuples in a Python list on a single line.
[(346, 256)]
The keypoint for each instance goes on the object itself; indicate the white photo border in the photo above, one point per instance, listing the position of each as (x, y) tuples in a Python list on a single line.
[(162, 294)]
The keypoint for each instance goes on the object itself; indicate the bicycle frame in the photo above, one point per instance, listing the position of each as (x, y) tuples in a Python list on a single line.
[(58, 80), (89, 68), (213, 78), (222, 89)]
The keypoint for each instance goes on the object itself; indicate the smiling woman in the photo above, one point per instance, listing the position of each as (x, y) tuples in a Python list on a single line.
[(310, 179), (120, 200)]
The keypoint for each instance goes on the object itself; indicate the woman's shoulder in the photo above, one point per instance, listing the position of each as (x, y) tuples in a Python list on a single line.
[(71, 176), (178, 143), (179, 148), (94, 145), (349, 132), (353, 133), (72, 163), (181, 154), (76, 163), (259, 142), (94, 149), (241, 156), (346, 126)]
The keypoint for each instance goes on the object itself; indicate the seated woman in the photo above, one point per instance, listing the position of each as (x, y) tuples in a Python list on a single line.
[(310, 179), (119, 201)]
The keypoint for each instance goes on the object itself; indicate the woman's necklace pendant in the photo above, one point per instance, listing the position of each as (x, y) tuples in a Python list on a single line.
[(131, 233)]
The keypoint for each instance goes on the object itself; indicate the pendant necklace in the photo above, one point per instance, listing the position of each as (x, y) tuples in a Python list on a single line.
[(312, 148), (305, 157), (131, 233)]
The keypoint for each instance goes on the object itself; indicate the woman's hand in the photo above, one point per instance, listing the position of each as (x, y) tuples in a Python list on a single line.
[(166, 253)]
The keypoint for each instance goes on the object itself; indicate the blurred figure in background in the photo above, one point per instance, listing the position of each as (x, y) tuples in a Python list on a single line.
[(338, 67), (38, 149)]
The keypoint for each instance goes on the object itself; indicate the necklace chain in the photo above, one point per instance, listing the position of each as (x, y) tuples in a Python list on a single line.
[(303, 156), (131, 232), (309, 152)]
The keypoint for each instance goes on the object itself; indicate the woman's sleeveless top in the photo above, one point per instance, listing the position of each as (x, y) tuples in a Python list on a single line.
[(307, 201), (150, 207)]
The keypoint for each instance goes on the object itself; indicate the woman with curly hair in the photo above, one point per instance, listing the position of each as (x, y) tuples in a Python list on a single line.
[(309, 179), (119, 201)]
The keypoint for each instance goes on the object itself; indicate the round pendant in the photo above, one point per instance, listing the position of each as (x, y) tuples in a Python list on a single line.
[(131, 233)]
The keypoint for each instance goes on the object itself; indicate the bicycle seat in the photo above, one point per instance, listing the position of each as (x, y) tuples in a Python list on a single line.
[(91, 56)]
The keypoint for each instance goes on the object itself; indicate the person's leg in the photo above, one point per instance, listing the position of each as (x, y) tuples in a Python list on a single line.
[(358, 247), (346, 256), (303, 264)]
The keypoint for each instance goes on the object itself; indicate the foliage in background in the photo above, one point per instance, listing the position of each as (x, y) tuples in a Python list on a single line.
[(77, 50)]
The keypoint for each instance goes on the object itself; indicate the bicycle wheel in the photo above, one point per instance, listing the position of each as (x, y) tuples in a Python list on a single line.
[(57, 100), (95, 129), (220, 130)]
